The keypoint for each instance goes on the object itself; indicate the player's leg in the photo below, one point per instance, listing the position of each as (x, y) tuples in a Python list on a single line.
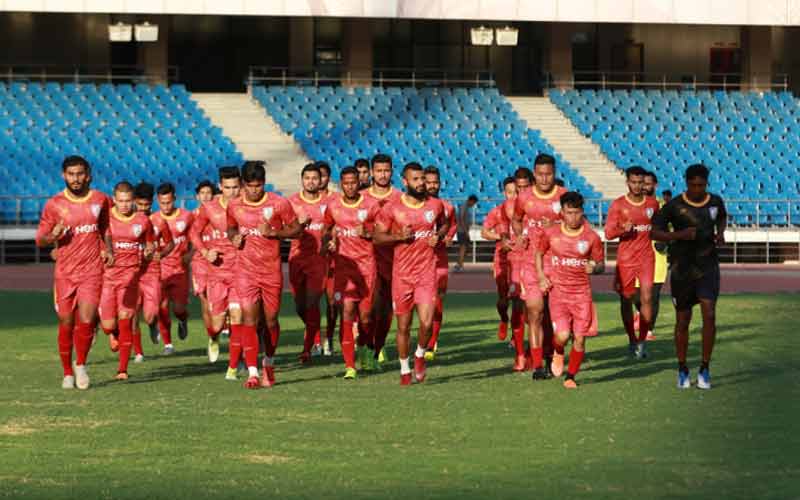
[(656, 306), (150, 290), (547, 336), (534, 307), (403, 341), (331, 313), (164, 320), (108, 313), (576, 355), (271, 306), (501, 283), (64, 297), (708, 308), (383, 313), (248, 335), (438, 313), (87, 297), (349, 310), (425, 312), (179, 297), (645, 277), (518, 324), (126, 311), (683, 318)]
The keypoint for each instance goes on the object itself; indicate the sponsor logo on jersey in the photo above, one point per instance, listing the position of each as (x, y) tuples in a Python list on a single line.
[(127, 245), (418, 235), (85, 229), (180, 226), (568, 261), (95, 208), (267, 212), (137, 230), (642, 228), (315, 226)]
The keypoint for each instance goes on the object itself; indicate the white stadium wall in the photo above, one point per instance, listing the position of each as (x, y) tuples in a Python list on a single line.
[(725, 12)]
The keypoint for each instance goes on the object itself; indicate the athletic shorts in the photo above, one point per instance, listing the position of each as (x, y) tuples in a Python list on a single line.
[(149, 293), (199, 278), (408, 291), (266, 288), (529, 282), (221, 296), (353, 283), (119, 295), (442, 275), (308, 274), (627, 277), (573, 313), (176, 288), (69, 292), (688, 292)]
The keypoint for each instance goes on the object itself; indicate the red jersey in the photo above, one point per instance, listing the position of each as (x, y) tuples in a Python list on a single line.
[(416, 257), (346, 219), (128, 237), (383, 253), (535, 209), (566, 255), (86, 221), (309, 242), (498, 221), (209, 231), (635, 245), (197, 258), (152, 268), (180, 223), (449, 217), (259, 255)]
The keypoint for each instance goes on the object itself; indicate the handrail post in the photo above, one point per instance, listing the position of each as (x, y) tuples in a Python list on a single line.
[(664, 82), (316, 78), (414, 79), (603, 78), (283, 77), (380, 79)]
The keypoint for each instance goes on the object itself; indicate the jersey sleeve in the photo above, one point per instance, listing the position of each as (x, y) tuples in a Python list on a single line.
[(105, 212), (723, 211), (543, 243), (149, 235), (385, 217), (597, 254), (47, 221), (327, 217), (663, 217), (612, 229), (451, 231), (164, 231), (231, 220), (287, 213), (198, 225)]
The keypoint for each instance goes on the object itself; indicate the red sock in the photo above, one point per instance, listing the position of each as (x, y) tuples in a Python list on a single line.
[(65, 347), (164, 325), (518, 331), (644, 327), (536, 356), (235, 346), (182, 316), (348, 350), (317, 339), (137, 343), (437, 327), (575, 359), (271, 345), (82, 335), (249, 344), (629, 330), (125, 343)]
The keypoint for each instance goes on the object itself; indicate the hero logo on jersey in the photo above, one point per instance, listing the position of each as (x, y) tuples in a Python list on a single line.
[(267, 213), (649, 212), (362, 215), (712, 211), (180, 226), (556, 207), (583, 246), (429, 216), (137, 230), (95, 208)]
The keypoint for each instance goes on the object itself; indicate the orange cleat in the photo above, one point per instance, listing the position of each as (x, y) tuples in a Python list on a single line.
[(121, 376), (520, 363), (252, 383), (650, 336), (113, 342), (557, 365), (570, 384), (419, 369), (267, 376), (405, 379), (502, 331)]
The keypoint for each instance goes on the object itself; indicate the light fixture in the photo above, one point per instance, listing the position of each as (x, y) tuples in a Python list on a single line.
[(120, 32), (482, 36), (507, 36), (146, 32)]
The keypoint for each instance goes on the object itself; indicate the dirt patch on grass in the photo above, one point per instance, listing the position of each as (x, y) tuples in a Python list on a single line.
[(264, 459), (32, 425)]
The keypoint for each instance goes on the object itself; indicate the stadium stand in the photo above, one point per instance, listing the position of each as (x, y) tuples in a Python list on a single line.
[(473, 135), (148, 133), (751, 142)]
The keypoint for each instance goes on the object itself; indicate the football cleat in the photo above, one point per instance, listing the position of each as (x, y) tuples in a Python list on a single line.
[(419, 369), (316, 350), (430, 355), (68, 382), (569, 383), (169, 350), (113, 342), (539, 374), (704, 379), (231, 374), (327, 348), (632, 349), (557, 365), (641, 350), (502, 331), (267, 375), (519, 363), (650, 336), (684, 380), (252, 383), (350, 374), (139, 358), (213, 350), (155, 337), (121, 376), (81, 377), (382, 357), (183, 329), (405, 379)]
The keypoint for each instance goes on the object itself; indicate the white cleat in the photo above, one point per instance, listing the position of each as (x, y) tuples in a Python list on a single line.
[(213, 350), (684, 380), (183, 330), (703, 379), (81, 377), (327, 349), (169, 350), (68, 382), (139, 358), (641, 350), (316, 351)]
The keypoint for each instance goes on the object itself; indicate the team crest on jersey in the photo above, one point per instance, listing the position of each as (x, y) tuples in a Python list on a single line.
[(362, 215), (556, 205), (712, 211), (267, 213), (137, 230), (156, 230), (429, 216), (322, 209), (583, 246), (180, 226), (95, 208), (649, 212)]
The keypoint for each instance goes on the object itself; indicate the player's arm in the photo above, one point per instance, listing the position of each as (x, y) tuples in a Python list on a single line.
[(722, 224), (661, 225), (187, 257), (166, 235), (196, 235), (291, 230), (51, 226), (232, 232), (328, 243), (541, 249), (614, 227), (452, 230), (596, 264), (516, 217)]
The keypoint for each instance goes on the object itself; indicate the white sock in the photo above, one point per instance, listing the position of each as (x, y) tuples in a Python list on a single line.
[(404, 366), (252, 371), (420, 352)]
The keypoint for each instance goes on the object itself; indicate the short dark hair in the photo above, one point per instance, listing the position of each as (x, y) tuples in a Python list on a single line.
[(229, 173), (653, 175), (71, 161), (310, 167), (697, 170), (123, 187), (144, 190), (571, 199), (323, 165), (666, 192), (349, 170), (381, 158), (559, 182), (523, 173), (544, 159), (166, 188), (430, 169), (254, 172), (204, 184), (412, 166), (473, 197), (507, 181), (361, 162), (634, 170)]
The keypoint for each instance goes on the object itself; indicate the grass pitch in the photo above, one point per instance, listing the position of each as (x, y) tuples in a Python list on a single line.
[(176, 429)]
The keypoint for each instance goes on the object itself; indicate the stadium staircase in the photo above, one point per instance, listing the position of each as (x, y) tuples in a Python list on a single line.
[(256, 136), (585, 156)]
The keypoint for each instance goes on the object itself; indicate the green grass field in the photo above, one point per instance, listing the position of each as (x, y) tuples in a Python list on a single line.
[(473, 430)]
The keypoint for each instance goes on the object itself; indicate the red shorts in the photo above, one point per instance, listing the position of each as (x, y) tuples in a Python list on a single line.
[(529, 282), (176, 288), (221, 296), (69, 292), (149, 293), (120, 295), (199, 278), (573, 313), (352, 283), (308, 274), (442, 275), (266, 288), (408, 291), (626, 276)]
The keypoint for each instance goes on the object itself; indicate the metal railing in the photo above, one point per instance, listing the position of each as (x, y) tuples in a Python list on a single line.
[(639, 80), (83, 74)]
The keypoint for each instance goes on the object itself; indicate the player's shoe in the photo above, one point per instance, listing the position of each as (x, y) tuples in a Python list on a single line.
[(419, 369), (81, 377), (113, 342), (304, 358), (430, 355), (502, 331), (183, 329), (316, 351), (374, 365), (155, 337), (68, 382), (121, 376), (704, 379), (405, 379), (267, 374), (382, 357), (539, 374), (139, 358), (252, 383), (569, 383), (232, 374), (684, 379), (350, 374), (213, 350), (327, 348), (632, 349), (641, 350), (557, 365), (169, 350), (650, 336), (361, 357), (519, 363)]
